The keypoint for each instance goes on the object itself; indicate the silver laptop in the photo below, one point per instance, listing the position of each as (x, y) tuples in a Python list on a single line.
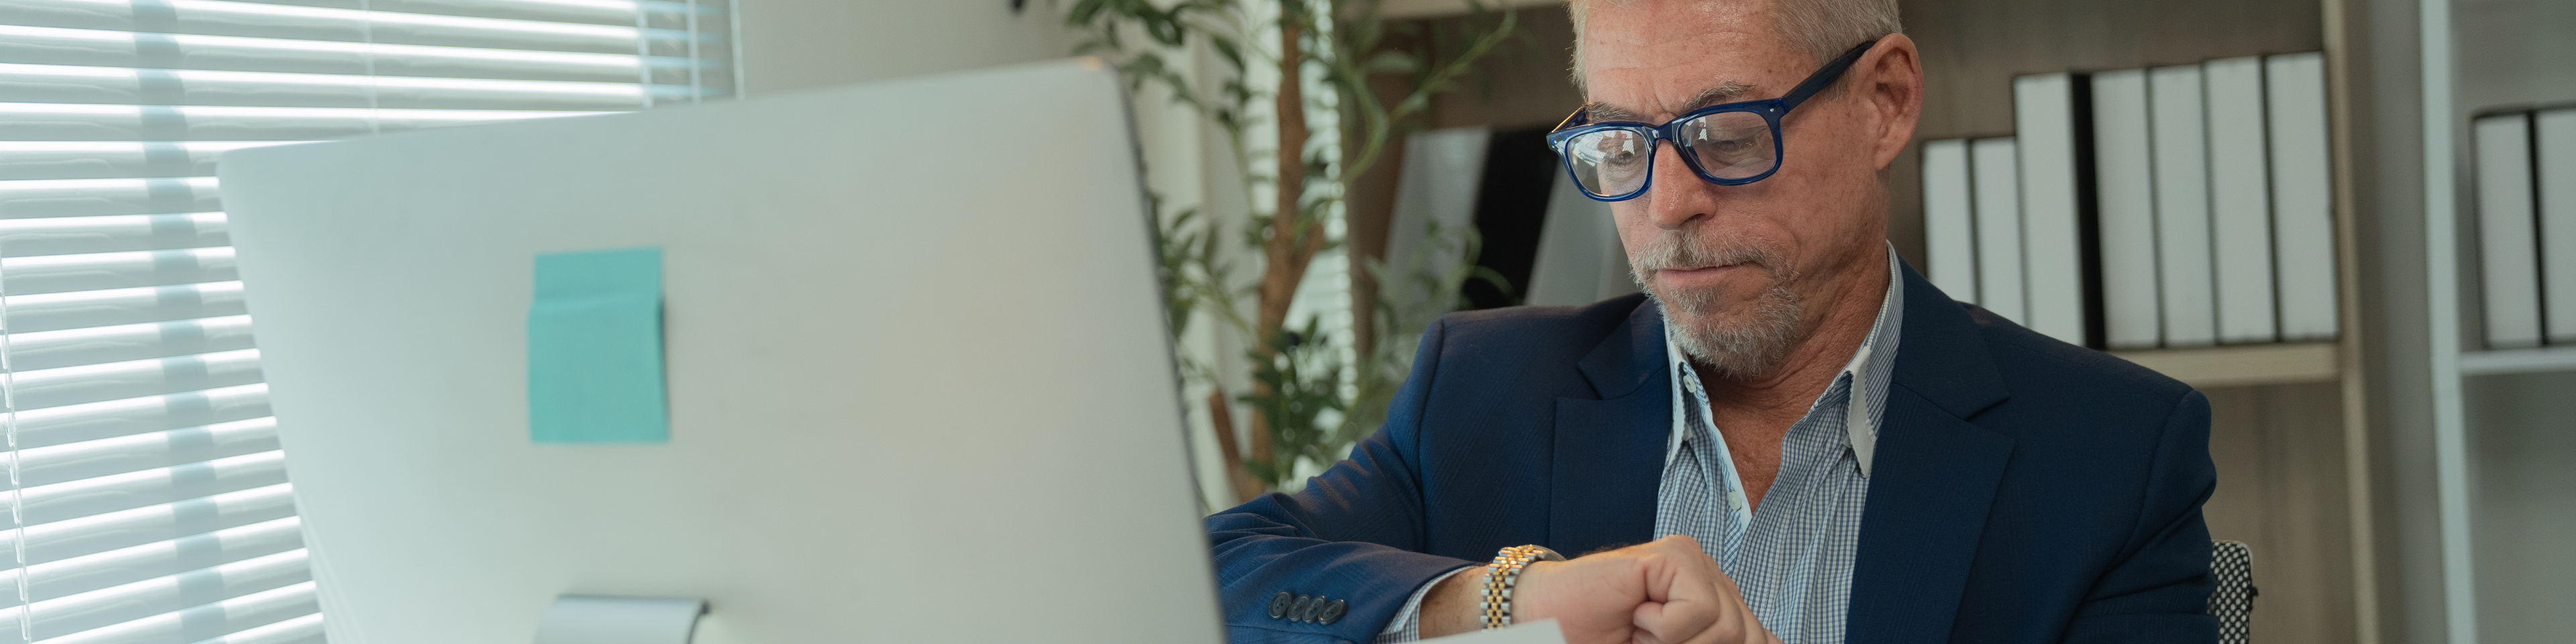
[(918, 387)]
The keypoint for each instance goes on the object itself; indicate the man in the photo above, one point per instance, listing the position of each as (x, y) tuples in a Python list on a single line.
[(1795, 439)]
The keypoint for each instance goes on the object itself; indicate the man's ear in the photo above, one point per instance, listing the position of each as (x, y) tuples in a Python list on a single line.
[(1893, 72)]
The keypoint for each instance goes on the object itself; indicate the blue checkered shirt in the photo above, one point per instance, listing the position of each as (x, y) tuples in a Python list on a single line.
[(1792, 559)]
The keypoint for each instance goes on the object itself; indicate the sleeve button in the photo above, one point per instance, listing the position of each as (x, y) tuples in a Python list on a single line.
[(1333, 612), (1279, 604), (1305, 608)]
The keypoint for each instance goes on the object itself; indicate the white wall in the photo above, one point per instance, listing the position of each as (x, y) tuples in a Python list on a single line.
[(788, 44)]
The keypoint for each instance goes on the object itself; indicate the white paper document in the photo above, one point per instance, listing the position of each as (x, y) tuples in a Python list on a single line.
[(1539, 632)]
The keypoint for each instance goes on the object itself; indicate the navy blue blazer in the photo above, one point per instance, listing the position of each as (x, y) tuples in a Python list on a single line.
[(2023, 491)]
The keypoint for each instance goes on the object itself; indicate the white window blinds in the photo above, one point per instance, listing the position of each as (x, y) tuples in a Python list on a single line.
[(149, 500)]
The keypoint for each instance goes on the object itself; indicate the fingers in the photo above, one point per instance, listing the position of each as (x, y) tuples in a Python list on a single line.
[(1673, 622), (1684, 601), (1691, 600)]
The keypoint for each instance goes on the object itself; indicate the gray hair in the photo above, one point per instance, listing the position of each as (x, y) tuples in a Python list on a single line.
[(1821, 29)]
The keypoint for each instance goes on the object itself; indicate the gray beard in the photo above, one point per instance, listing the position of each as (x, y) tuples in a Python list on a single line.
[(1737, 347)]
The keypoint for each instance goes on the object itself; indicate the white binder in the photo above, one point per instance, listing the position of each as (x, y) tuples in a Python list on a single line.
[(2044, 125), (2555, 134), (2240, 199), (2124, 189), (2182, 205), (2303, 230), (1949, 220), (1999, 227), (2508, 262)]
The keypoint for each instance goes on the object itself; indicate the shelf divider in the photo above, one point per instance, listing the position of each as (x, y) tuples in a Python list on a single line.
[(2504, 361), (2242, 365)]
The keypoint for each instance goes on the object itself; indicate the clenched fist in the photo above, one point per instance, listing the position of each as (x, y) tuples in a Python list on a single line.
[(1664, 592)]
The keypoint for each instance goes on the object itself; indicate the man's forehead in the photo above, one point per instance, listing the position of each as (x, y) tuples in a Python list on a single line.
[(1650, 60), (1724, 92)]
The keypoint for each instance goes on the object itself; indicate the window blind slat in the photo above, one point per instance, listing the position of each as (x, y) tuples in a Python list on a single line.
[(66, 539), (112, 233), (109, 48), (61, 386), (122, 454), (147, 611), (233, 615), (98, 271), (92, 197), (100, 345), (86, 122), (153, 487), (299, 630), (264, 20), (56, 311), (160, 559), (40, 160), (598, 12), (92, 421), (128, 86)]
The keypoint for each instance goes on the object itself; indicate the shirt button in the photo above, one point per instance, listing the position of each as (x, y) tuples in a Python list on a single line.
[(1735, 499), (1279, 604)]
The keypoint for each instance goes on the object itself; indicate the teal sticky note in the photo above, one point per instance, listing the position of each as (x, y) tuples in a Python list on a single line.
[(595, 349)]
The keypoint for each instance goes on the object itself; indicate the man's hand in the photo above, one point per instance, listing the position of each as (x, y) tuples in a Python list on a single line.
[(1664, 592)]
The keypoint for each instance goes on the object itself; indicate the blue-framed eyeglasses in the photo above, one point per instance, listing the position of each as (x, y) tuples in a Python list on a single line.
[(1728, 145)]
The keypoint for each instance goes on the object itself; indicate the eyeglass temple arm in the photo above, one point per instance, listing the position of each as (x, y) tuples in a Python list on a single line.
[(1824, 78), (1579, 117)]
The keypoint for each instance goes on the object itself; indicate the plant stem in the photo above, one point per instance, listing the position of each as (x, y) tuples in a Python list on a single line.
[(1291, 245), (1237, 479)]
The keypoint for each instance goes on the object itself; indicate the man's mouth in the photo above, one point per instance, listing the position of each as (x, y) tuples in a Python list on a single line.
[(1698, 271)]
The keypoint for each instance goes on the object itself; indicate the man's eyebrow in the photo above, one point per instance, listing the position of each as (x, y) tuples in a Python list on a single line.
[(1599, 113), (1726, 92)]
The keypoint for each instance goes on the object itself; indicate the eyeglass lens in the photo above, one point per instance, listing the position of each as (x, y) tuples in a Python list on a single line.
[(1726, 145)]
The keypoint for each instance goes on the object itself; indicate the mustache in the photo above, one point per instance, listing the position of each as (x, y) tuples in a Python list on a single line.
[(1689, 248)]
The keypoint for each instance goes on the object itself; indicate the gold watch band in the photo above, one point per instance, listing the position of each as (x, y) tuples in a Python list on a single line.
[(1502, 575)]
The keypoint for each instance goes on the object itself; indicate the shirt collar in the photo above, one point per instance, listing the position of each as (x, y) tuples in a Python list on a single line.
[(1865, 376)]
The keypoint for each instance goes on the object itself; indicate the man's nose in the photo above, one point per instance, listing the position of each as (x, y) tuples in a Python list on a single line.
[(1678, 194)]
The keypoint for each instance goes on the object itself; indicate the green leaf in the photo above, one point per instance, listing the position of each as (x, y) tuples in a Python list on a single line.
[(1393, 61), (1084, 11), (1226, 48)]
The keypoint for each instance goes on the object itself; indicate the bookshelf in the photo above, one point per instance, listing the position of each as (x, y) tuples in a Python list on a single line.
[(2290, 428), (2500, 504)]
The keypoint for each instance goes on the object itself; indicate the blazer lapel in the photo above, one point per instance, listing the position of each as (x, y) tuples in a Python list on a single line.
[(1609, 450), (1932, 480), (1933, 477)]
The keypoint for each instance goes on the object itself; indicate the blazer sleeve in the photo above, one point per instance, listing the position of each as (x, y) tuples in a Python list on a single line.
[(1354, 534), (2160, 591)]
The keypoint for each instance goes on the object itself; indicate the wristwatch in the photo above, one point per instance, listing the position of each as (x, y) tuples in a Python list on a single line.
[(1504, 573)]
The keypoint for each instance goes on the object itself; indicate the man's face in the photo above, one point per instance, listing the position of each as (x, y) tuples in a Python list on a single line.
[(1744, 272)]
